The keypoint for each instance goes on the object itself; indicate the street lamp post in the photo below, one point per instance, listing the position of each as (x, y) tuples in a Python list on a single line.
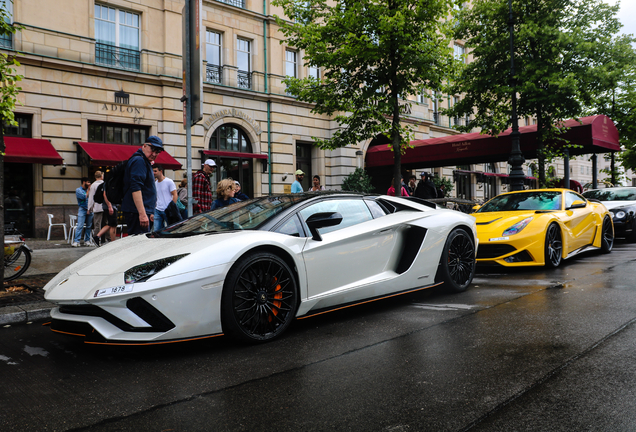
[(516, 158)]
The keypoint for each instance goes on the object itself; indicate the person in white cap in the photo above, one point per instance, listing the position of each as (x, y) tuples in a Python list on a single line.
[(201, 189), (297, 186)]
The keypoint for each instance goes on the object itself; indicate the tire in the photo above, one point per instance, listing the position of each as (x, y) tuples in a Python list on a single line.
[(553, 250), (607, 241), (260, 298), (16, 264), (457, 264)]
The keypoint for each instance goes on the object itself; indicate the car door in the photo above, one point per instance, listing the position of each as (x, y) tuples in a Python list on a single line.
[(356, 252), (579, 222)]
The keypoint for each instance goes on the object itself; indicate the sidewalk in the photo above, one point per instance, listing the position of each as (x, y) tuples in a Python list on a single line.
[(48, 258)]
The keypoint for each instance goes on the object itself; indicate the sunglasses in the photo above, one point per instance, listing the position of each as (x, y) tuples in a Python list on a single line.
[(155, 149)]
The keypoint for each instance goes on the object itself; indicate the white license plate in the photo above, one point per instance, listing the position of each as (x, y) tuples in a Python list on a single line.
[(113, 290)]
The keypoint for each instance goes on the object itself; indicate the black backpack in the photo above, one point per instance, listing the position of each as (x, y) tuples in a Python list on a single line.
[(99, 194), (114, 183)]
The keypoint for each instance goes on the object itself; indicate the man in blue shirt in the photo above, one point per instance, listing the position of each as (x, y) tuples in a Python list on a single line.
[(297, 186), (140, 195), (84, 218)]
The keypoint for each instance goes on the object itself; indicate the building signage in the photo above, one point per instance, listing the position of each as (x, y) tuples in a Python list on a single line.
[(231, 112), (127, 110), (461, 146)]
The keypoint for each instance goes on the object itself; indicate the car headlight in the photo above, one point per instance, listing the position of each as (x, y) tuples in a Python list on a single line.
[(516, 228), (143, 272), (618, 214)]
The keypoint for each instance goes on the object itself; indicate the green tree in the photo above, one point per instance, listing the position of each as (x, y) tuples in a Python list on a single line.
[(358, 181), (617, 98), (560, 49), (8, 96), (373, 55)]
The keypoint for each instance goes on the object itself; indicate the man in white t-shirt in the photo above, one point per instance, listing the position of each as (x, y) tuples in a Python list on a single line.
[(94, 207), (166, 192)]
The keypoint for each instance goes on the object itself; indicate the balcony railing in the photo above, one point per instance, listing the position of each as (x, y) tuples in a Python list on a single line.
[(214, 74), (118, 57), (237, 3), (244, 79)]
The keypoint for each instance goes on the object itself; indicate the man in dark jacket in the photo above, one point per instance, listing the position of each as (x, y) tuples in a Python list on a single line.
[(425, 188), (140, 195)]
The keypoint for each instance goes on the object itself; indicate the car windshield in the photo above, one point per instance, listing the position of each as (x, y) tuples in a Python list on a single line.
[(611, 194), (523, 201), (244, 215)]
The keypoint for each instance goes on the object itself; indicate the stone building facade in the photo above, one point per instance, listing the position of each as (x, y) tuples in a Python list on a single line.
[(109, 72)]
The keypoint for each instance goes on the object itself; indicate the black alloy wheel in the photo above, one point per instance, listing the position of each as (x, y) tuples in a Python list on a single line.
[(16, 264), (553, 246), (260, 298), (457, 265), (607, 241)]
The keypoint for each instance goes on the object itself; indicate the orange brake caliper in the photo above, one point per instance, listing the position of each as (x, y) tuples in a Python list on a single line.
[(279, 295)]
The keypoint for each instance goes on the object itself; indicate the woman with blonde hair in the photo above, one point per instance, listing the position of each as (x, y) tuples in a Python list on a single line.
[(225, 190)]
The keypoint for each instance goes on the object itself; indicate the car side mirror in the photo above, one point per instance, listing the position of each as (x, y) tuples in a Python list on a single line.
[(322, 220), (476, 207), (577, 204)]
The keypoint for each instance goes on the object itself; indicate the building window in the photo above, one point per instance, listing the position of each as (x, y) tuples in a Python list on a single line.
[(230, 138), (214, 70), (23, 129), (435, 102), (303, 163), (291, 69), (117, 38), (460, 51), (6, 40), (456, 119), (243, 63), (314, 72), (114, 133)]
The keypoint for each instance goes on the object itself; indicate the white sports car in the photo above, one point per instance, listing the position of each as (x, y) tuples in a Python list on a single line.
[(249, 269)]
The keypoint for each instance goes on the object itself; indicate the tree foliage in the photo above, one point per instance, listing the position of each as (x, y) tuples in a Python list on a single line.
[(561, 49), (358, 181), (373, 55)]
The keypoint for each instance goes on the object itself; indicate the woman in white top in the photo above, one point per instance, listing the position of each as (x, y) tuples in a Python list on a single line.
[(316, 185)]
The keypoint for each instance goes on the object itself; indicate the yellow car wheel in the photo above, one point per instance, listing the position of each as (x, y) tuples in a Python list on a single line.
[(553, 246)]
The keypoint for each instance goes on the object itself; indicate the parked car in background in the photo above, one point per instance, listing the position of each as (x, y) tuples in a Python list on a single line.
[(621, 202), (251, 268), (540, 227)]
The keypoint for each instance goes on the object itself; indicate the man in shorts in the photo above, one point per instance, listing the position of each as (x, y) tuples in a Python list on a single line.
[(110, 216)]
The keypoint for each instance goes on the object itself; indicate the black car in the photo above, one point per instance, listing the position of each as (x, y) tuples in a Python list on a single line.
[(621, 202)]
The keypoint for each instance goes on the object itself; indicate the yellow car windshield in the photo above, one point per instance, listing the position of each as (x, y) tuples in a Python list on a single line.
[(523, 201)]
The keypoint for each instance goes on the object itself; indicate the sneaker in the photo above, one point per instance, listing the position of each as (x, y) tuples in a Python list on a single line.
[(75, 244)]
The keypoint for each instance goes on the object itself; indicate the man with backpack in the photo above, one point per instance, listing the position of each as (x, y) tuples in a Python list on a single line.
[(139, 193)]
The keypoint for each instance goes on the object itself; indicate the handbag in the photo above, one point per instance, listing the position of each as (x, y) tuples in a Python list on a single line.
[(172, 213), (180, 205)]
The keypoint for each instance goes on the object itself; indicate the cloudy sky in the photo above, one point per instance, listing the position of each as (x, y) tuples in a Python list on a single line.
[(627, 15)]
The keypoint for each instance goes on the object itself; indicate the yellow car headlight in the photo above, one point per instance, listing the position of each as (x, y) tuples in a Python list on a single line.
[(516, 228)]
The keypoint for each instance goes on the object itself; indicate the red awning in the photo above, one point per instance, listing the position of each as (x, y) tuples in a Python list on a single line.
[(111, 154), (31, 150), (595, 134), (234, 154)]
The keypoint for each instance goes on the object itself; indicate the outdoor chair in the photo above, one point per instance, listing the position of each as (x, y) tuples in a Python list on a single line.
[(51, 225)]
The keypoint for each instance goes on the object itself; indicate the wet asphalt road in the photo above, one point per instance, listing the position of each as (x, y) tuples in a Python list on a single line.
[(523, 350)]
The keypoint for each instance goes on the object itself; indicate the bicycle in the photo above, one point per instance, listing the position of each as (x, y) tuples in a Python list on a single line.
[(17, 255)]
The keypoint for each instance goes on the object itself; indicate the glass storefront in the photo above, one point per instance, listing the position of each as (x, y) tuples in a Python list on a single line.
[(231, 140)]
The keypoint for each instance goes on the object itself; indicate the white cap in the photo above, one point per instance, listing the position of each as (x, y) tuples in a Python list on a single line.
[(209, 162)]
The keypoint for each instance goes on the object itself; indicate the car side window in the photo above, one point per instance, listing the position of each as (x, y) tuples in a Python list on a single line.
[(376, 210), (353, 211), (292, 227), (570, 197)]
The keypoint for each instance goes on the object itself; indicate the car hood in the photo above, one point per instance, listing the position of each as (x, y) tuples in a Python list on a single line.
[(616, 204), (496, 222)]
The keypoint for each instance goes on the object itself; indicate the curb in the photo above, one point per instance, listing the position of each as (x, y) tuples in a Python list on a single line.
[(25, 313)]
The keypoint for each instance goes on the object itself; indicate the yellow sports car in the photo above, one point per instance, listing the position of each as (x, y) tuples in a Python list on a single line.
[(541, 227)]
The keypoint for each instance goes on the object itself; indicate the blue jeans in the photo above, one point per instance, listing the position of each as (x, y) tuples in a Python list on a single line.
[(161, 221), (83, 221)]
